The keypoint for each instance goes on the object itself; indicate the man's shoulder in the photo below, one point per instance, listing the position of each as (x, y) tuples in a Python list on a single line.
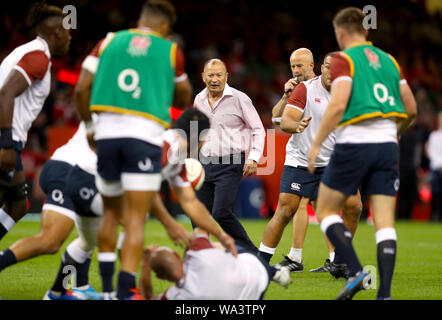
[(33, 45)]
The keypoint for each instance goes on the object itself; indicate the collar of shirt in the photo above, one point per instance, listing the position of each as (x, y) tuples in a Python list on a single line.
[(226, 92), (45, 43)]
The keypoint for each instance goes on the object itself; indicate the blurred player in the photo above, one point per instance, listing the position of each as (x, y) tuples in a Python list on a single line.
[(208, 272), (308, 101), (58, 212), (137, 75), (434, 152), (81, 188), (25, 81), (371, 103)]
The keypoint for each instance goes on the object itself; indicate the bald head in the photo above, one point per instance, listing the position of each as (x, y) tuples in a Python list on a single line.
[(302, 53), (167, 264), (213, 62), (301, 63)]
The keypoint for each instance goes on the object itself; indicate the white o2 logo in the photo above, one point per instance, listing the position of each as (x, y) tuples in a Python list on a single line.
[(133, 83), (383, 97)]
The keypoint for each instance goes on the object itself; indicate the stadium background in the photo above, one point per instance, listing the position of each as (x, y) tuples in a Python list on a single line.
[(255, 39)]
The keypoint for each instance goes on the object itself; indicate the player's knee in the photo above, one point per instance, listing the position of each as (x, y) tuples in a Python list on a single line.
[(49, 245), (352, 210), (285, 211)]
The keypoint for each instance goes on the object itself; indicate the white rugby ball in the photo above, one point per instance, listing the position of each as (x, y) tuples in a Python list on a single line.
[(194, 172)]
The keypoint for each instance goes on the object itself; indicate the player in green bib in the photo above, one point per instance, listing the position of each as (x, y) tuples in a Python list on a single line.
[(371, 104), (130, 80)]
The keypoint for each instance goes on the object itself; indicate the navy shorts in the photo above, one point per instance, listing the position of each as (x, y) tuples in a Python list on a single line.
[(297, 180), (372, 166), (80, 187), (127, 155), (6, 177), (53, 183)]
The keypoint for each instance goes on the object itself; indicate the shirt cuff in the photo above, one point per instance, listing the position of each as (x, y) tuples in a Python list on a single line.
[(254, 155), (276, 120)]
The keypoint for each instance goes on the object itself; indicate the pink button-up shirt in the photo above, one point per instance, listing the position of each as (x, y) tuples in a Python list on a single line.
[(235, 125)]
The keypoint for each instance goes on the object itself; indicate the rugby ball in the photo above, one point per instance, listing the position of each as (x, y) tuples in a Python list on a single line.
[(194, 172)]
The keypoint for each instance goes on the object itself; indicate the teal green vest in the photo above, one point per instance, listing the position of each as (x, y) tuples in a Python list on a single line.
[(375, 92), (135, 76)]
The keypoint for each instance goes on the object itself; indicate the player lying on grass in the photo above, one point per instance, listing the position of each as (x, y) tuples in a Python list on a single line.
[(176, 148), (208, 272)]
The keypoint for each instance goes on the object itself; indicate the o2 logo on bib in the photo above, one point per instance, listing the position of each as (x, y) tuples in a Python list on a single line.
[(381, 94), (128, 81)]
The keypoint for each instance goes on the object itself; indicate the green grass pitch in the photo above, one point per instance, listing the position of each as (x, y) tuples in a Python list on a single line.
[(418, 273)]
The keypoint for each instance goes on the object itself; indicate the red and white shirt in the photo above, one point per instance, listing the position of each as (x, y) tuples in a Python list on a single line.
[(172, 162), (312, 99), (373, 130), (214, 274), (32, 60)]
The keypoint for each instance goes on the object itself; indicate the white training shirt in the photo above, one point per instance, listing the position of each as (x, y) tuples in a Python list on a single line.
[(172, 162), (214, 274), (77, 151), (312, 99), (32, 60), (435, 149)]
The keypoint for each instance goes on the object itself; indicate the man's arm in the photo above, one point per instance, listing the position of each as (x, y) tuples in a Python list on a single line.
[(340, 95), (198, 213), (291, 121), (176, 231), (279, 107), (14, 86), (291, 117), (410, 107), (257, 139), (183, 88)]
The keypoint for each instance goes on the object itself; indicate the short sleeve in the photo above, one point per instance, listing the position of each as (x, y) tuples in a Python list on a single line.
[(180, 70), (401, 72), (200, 243), (91, 62), (33, 65), (340, 67), (298, 97)]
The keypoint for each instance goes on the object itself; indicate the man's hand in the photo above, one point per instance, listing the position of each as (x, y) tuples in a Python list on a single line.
[(312, 156), (250, 168), (228, 243), (290, 86), (7, 159), (178, 234), (303, 124)]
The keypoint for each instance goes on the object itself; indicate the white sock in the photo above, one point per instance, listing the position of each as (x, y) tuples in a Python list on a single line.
[(332, 256), (120, 240), (295, 255), (266, 249), (6, 220)]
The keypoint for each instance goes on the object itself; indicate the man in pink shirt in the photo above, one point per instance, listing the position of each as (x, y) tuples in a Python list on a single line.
[(236, 129)]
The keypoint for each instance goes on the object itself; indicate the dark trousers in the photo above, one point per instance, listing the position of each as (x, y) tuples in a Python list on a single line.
[(219, 193)]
